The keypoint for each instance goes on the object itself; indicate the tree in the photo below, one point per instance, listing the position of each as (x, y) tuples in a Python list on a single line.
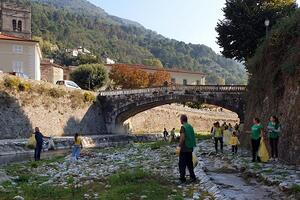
[(153, 62), (129, 78), (213, 79), (242, 30), (90, 76), (158, 78)]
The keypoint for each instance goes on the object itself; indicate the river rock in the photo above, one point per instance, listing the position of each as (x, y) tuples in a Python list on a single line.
[(18, 198)]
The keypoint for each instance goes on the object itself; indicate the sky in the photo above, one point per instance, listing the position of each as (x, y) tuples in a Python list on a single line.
[(191, 21)]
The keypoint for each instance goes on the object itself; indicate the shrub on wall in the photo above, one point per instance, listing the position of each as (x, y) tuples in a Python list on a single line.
[(12, 82), (24, 87), (16, 84), (88, 97), (56, 93)]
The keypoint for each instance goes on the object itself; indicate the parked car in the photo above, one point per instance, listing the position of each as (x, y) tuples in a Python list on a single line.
[(69, 84)]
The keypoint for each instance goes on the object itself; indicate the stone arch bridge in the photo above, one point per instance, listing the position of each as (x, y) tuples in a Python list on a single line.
[(119, 105)]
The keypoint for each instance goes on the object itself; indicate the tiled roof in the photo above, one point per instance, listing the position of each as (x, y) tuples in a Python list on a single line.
[(11, 37), (139, 66)]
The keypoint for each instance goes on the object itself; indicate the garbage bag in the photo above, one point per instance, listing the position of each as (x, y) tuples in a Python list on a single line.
[(195, 160), (226, 137), (31, 143), (263, 151), (51, 145)]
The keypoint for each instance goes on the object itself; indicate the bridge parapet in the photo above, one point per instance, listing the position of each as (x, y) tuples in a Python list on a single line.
[(179, 88)]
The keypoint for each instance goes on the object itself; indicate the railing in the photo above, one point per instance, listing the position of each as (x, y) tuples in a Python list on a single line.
[(178, 88)]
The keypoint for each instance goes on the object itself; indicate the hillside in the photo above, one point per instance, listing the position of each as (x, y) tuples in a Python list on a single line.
[(72, 23)]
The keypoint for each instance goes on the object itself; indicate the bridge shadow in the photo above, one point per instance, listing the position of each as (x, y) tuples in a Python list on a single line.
[(92, 122), (14, 122)]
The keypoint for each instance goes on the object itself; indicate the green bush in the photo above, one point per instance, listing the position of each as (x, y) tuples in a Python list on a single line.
[(90, 76), (88, 97)]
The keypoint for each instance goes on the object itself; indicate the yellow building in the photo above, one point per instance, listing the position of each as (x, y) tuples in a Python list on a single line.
[(20, 55)]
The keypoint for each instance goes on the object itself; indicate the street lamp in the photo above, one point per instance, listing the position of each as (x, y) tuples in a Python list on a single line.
[(267, 24)]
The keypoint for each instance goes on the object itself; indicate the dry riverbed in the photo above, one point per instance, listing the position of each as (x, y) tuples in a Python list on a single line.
[(146, 171)]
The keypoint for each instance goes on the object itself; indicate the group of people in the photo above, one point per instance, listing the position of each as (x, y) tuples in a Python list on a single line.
[(225, 134), (272, 133), (39, 140), (172, 135), (229, 135)]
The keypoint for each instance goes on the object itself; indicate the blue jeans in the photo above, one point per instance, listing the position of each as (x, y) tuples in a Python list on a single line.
[(76, 151)]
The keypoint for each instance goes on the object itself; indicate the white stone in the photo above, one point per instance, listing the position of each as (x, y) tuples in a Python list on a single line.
[(18, 198)]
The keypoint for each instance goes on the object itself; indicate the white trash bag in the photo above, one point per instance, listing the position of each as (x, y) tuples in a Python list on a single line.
[(51, 145)]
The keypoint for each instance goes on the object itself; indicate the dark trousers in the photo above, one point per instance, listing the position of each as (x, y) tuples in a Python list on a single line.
[(37, 152), (186, 160), (165, 136), (255, 147), (274, 147), (217, 139), (234, 149)]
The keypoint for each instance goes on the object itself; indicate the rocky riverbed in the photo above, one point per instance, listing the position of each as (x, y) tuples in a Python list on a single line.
[(146, 171)]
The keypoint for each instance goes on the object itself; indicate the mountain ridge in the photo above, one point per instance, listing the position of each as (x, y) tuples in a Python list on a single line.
[(72, 23)]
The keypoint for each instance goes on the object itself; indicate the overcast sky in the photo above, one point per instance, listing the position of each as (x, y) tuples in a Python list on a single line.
[(191, 21)]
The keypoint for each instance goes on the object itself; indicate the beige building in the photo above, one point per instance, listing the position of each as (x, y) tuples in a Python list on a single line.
[(179, 77), (51, 72), (20, 55)]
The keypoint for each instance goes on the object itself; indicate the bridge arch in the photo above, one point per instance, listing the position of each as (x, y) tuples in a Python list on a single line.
[(119, 106)]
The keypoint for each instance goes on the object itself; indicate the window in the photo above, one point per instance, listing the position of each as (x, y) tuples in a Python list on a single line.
[(184, 82), (17, 48), (198, 82), (14, 24), (20, 26), (173, 80), (17, 66)]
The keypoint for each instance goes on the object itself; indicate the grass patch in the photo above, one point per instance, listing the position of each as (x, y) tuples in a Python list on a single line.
[(268, 170), (295, 189), (154, 145), (131, 184), (47, 192), (256, 166), (136, 183), (203, 135)]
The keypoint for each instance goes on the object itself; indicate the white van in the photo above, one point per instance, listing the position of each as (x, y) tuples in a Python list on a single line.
[(69, 84)]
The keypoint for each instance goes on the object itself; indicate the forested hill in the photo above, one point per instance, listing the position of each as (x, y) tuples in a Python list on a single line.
[(73, 23)]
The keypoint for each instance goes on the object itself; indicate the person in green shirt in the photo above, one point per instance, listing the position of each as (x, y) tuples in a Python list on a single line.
[(187, 144), (273, 135), (256, 133)]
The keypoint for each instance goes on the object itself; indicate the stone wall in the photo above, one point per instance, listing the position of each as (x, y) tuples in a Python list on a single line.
[(56, 110), (156, 119), (274, 86)]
